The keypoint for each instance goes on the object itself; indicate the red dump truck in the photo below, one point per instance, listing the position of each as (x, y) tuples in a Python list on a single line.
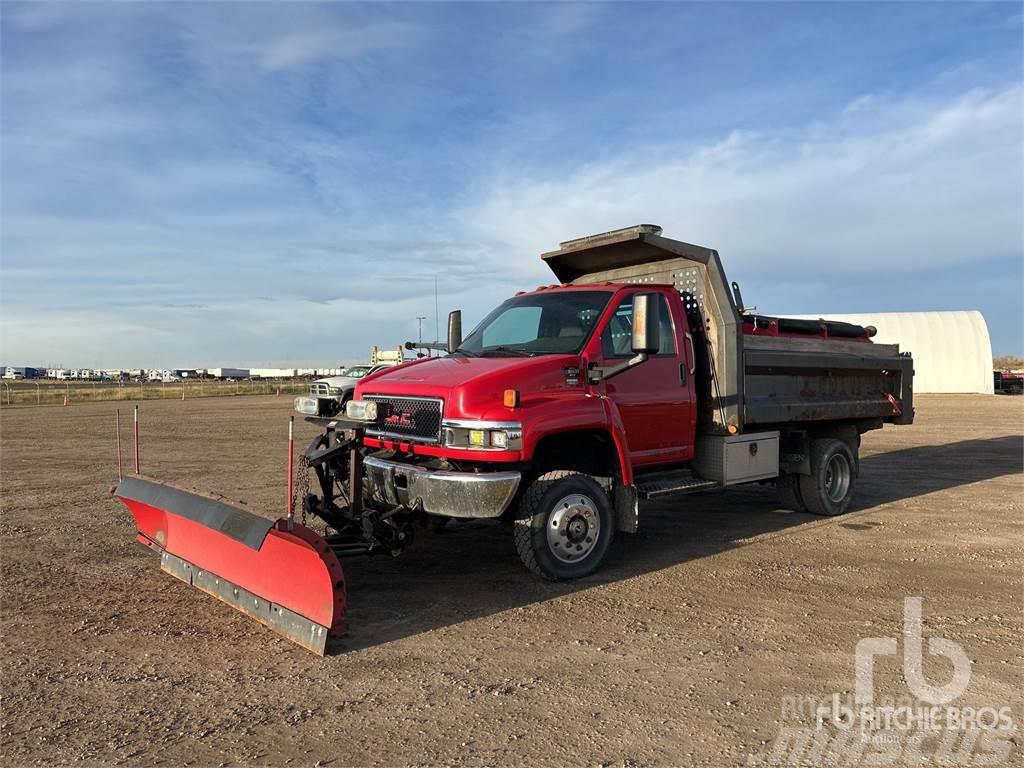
[(639, 375)]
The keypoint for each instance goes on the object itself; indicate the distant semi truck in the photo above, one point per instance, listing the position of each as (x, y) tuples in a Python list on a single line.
[(15, 373)]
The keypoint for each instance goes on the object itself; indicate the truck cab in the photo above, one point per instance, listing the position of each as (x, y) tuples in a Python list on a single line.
[(540, 362)]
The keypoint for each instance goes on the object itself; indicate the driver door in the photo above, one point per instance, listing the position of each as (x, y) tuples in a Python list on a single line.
[(656, 399)]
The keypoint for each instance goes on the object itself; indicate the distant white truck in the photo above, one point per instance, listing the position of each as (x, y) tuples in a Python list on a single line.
[(327, 396)]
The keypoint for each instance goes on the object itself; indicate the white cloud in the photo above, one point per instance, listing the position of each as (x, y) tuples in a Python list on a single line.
[(333, 42), (860, 103), (891, 186), (566, 19)]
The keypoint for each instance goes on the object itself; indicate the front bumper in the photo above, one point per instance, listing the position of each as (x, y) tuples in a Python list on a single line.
[(441, 492)]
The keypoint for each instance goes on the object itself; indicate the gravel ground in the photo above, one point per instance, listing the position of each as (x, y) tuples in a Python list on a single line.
[(683, 650)]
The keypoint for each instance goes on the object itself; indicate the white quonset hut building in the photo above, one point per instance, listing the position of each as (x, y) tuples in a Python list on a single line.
[(952, 351)]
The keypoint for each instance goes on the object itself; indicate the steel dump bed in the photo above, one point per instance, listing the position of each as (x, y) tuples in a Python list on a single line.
[(750, 374)]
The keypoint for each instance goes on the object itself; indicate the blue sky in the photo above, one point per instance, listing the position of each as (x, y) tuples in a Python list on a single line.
[(280, 183)]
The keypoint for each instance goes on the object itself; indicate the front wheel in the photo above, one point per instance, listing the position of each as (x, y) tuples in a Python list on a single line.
[(564, 526)]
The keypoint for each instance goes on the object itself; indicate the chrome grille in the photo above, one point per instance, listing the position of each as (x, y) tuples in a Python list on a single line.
[(408, 418), (319, 389)]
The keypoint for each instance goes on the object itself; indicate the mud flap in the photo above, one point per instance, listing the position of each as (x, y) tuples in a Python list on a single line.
[(627, 508), (281, 573)]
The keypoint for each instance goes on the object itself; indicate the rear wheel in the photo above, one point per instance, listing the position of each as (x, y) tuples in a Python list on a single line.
[(828, 490), (788, 488), (564, 526)]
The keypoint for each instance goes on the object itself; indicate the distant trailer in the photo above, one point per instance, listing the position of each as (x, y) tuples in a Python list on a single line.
[(272, 373), (228, 373), (320, 372)]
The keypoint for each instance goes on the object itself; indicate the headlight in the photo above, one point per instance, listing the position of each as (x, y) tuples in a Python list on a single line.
[(306, 405), (361, 410), (483, 435), (334, 391)]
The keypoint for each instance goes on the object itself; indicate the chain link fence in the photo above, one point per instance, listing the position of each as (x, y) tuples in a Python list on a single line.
[(19, 393)]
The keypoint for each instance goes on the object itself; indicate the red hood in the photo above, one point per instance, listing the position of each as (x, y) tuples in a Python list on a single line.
[(472, 387)]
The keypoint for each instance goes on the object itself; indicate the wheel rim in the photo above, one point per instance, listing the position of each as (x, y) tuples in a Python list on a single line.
[(573, 528), (837, 478)]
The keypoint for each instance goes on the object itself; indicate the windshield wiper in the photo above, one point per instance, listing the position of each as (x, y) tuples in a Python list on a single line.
[(466, 352), (509, 350)]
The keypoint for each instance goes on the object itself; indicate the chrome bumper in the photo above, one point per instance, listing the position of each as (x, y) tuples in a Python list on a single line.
[(440, 492)]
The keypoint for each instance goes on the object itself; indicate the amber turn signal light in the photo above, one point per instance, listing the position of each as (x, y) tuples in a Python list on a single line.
[(511, 398)]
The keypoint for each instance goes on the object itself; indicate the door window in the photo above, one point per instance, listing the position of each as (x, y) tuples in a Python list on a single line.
[(616, 339)]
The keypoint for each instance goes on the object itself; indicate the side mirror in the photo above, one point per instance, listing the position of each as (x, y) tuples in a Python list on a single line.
[(646, 325), (454, 330)]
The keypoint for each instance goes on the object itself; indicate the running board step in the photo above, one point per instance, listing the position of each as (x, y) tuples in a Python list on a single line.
[(677, 481)]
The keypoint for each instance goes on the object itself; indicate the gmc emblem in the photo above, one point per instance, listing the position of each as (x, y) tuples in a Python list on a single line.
[(403, 419)]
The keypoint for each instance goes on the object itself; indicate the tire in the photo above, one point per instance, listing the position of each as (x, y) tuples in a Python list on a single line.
[(788, 488), (828, 490), (556, 522)]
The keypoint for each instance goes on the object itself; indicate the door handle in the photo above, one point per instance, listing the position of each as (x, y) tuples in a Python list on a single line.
[(693, 354)]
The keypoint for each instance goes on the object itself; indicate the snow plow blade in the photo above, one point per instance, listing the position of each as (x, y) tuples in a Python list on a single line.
[(281, 573)]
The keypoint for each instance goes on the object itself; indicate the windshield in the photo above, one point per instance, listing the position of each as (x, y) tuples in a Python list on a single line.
[(538, 324), (356, 371)]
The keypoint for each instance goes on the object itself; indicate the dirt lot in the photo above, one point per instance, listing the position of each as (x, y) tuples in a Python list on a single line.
[(682, 651)]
